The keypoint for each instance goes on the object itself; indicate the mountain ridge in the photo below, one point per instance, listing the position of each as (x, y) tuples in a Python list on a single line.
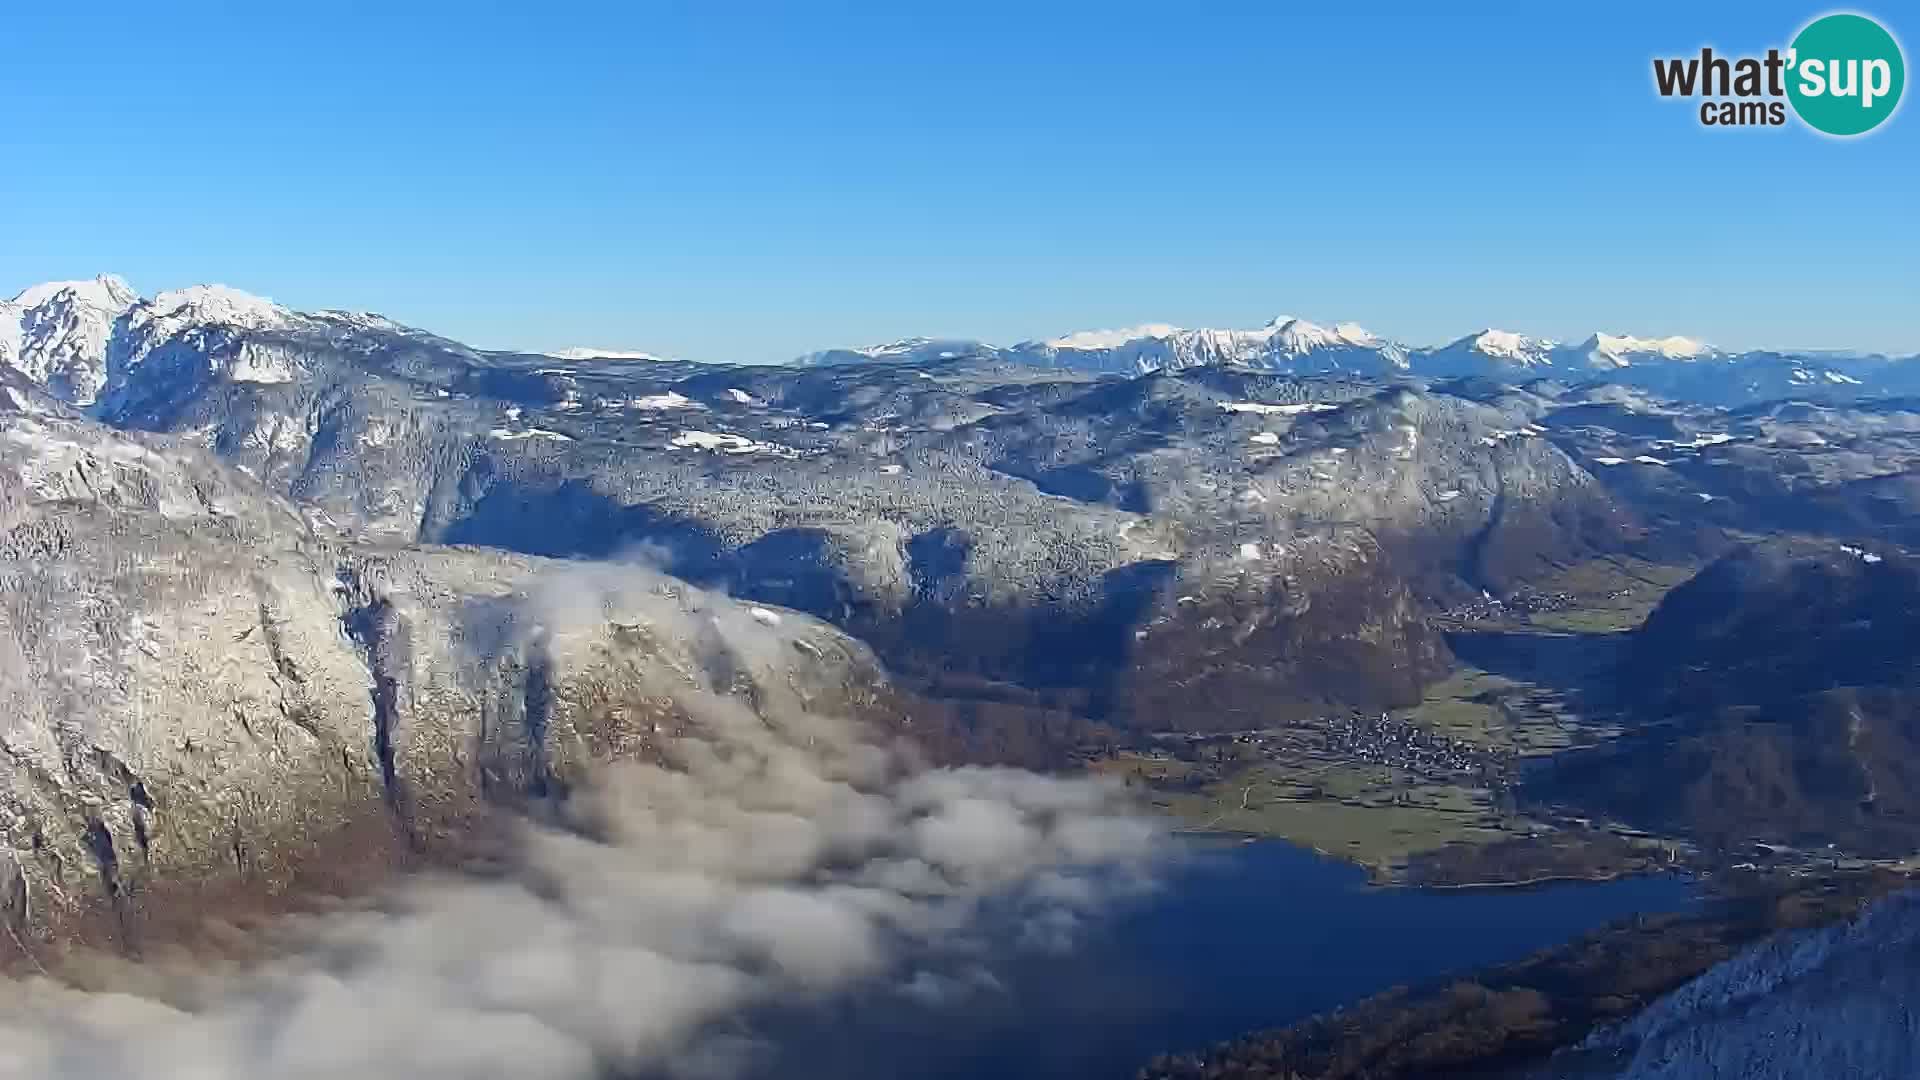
[(80, 340)]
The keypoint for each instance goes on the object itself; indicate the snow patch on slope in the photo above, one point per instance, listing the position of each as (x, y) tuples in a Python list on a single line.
[(510, 435), (579, 352), (723, 442), (662, 402), (1260, 408)]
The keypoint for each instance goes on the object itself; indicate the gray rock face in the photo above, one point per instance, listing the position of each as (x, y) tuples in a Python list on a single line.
[(170, 660), (198, 689)]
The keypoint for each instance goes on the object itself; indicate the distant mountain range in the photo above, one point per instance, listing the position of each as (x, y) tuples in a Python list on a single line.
[(81, 340), (1675, 366)]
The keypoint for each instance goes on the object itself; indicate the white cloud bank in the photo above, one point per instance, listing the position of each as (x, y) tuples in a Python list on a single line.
[(777, 856)]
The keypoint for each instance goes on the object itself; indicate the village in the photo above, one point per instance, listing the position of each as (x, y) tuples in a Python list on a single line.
[(1355, 738), (1488, 608)]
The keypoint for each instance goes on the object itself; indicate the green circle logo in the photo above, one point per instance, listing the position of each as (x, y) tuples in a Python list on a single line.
[(1845, 74)]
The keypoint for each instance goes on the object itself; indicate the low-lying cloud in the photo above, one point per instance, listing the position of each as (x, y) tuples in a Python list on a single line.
[(773, 857)]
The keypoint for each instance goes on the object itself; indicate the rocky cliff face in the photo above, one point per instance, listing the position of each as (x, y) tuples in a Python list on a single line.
[(199, 691), (176, 687)]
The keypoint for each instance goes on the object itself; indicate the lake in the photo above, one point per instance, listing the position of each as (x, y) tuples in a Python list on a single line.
[(1243, 936)]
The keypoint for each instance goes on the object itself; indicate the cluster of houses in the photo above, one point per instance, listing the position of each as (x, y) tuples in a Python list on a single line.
[(1488, 607), (1371, 738), (1384, 740)]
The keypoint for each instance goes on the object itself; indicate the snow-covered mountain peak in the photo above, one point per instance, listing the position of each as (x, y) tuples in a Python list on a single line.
[(912, 346), (81, 341), (1281, 343), (190, 327), (1508, 348), (56, 333), (1297, 337), (583, 352), (910, 350), (1508, 345), (108, 292), (1113, 339), (1620, 350), (363, 320), (172, 315), (214, 304), (1494, 353)]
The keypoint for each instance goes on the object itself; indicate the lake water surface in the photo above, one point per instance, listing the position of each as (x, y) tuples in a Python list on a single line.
[(1242, 937)]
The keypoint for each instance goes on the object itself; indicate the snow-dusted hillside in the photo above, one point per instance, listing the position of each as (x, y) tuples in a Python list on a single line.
[(1834, 1002)]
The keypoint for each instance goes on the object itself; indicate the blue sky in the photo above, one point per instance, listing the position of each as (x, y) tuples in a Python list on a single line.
[(746, 182)]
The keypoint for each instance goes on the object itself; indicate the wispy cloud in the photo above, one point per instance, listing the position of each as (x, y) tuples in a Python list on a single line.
[(773, 855)]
